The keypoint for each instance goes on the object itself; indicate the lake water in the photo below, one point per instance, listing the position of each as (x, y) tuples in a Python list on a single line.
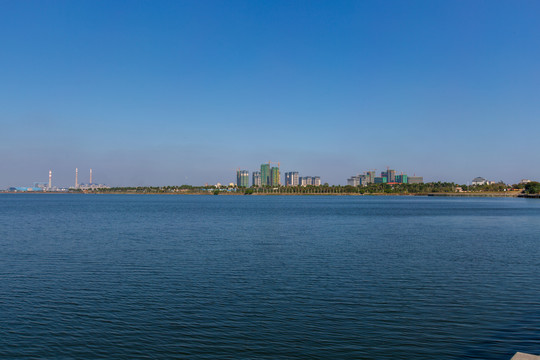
[(268, 277)]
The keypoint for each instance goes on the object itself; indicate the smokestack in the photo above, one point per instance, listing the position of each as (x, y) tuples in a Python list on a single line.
[(50, 179), (76, 177), (91, 176)]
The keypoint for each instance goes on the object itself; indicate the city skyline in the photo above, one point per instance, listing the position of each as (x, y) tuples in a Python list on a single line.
[(249, 178), (183, 92)]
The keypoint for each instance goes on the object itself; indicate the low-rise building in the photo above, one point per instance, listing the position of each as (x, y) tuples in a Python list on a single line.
[(415, 180), (93, 186), (25, 189), (479, 181)]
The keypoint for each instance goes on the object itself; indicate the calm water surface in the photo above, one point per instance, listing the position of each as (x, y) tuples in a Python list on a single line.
[(247, 277)]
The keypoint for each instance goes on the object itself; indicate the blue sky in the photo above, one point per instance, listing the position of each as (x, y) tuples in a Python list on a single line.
[(174, 92)]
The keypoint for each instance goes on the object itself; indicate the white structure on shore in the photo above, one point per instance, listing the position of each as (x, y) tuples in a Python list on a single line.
[(92, 186), (481, 181)]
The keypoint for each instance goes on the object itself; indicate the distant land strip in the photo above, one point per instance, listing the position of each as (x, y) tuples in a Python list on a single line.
[(531, 189)]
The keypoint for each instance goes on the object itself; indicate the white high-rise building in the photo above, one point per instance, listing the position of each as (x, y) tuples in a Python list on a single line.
[(291, 178), (256, 179)]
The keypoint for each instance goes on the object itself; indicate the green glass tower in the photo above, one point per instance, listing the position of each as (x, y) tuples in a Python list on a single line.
[(274, 176), (242, 178), (401, 179), (265, 174)]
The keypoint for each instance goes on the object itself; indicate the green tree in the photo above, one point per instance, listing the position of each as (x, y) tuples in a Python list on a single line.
[(532, 188)]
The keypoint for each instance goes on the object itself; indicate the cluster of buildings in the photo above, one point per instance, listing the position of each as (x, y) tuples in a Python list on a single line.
[(478, 181), (270, 176), (386, 177), (293, 179), (481, 181), (90, 185), (39, 187), (48, 187)]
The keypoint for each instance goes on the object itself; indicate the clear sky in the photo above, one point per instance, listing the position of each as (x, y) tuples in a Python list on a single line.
[(176, 92)]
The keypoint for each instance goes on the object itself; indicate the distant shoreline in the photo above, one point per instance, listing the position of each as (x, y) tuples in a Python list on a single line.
[(462, 195)]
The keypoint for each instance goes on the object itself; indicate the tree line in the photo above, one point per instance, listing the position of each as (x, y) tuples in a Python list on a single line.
[(423, 188)]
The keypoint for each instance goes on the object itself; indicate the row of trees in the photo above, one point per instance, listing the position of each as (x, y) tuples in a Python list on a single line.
[(150, 189), (424, 188), (532, 188)]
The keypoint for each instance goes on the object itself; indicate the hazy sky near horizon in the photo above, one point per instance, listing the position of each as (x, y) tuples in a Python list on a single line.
[(175, 92)]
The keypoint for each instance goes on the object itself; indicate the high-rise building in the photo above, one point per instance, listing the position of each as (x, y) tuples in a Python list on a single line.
[(256, 180), (302, 181), (242, 178), (353, 181), (370, 177), (391, 175), (317, 180), (362, 180), (388, 176), (358, 180), (274, 176), (265, 175), (291, 178), (402, 179)]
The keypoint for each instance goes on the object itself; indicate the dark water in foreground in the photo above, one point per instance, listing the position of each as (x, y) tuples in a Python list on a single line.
[(208, 277)]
